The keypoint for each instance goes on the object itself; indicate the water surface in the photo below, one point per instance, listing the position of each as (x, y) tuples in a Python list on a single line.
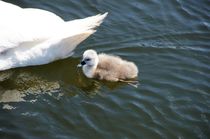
[(170, 43)]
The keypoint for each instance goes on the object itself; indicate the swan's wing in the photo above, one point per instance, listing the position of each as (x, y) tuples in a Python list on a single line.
[(19, 25), (8, 6), (22, 26), (10, 39)]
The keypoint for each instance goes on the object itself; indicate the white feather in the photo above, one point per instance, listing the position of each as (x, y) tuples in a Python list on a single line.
[(30, 36)]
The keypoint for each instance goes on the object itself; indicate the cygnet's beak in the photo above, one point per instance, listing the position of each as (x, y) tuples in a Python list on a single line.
[(81, 64)]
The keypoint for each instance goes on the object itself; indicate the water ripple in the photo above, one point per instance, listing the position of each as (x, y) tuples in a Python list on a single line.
[(168, 41)]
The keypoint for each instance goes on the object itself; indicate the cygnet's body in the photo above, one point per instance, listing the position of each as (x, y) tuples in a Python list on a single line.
[(107, 67)]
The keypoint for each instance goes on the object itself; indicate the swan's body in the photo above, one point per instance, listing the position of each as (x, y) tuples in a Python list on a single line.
[(107, 67), (31, 36)]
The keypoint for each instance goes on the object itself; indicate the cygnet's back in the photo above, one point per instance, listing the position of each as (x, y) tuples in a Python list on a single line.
[(113, 68)]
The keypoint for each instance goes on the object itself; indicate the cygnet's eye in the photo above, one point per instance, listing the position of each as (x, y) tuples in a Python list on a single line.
[(88, 59)]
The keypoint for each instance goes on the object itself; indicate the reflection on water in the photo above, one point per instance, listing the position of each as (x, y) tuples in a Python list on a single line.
[(26, 84)]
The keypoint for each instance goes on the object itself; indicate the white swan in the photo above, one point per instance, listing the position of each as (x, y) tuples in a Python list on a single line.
[(30, 36)]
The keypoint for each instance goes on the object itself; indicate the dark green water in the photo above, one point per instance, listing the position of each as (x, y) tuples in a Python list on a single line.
[(168, 40)]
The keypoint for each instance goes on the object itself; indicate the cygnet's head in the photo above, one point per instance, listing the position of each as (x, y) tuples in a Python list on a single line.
[(90, 59)]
